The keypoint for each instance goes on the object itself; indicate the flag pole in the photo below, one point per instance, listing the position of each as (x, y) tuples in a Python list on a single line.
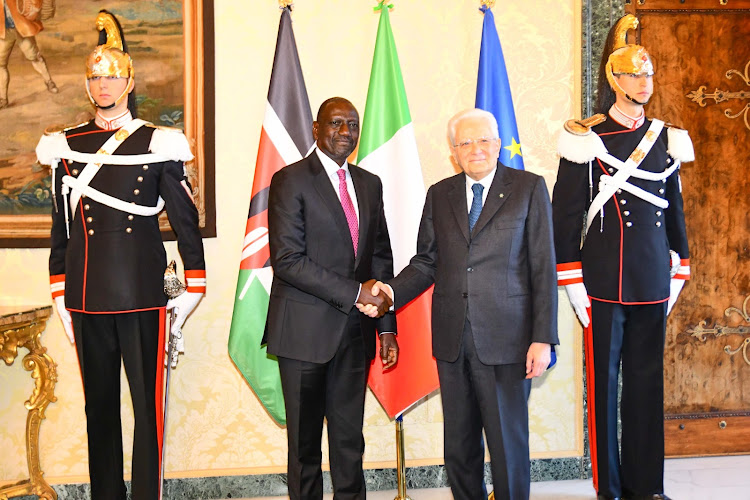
[(400, 460)]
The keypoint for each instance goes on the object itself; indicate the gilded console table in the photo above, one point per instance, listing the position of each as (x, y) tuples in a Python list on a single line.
[(23, 327)]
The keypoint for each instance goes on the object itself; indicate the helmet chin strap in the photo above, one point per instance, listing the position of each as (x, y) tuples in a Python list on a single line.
[(628, 98)]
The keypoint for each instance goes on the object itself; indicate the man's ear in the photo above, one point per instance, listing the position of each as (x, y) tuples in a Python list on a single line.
[(315, 130)]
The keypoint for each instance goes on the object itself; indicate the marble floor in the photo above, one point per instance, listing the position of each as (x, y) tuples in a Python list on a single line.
[(725, 478)]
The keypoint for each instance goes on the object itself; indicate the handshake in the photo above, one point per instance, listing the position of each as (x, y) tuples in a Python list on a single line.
[(375, 298)]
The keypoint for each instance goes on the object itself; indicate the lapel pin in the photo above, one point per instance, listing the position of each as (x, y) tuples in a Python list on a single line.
[(501, 195)]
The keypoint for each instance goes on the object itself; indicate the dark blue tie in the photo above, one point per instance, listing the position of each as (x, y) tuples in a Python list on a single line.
[(476, 205)]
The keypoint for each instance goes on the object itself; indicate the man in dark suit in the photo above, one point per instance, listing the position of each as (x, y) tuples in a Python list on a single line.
[(327, 235), (485, 241)]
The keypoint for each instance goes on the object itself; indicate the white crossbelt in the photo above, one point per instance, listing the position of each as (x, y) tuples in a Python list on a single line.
[(608, 185), (109, 147), (76, 185)]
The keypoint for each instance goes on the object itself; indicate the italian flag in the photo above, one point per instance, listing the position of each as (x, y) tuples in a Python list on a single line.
[(285, 138), (388, 149)]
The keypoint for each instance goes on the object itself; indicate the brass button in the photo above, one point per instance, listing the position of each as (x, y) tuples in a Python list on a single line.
[(628, 223), (129, 230), (623, 202), (619, 191), (626, 213), (130, 217), (86, 206), (91, 232), (658, 223), (658, 213), (661, 191), (139, 179), (75, 171), (145, 167), (136, 191), (89, 219), (610, 170)]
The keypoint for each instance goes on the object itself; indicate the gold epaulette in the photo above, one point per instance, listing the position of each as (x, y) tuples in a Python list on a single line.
[(583, 127), (56, 129)]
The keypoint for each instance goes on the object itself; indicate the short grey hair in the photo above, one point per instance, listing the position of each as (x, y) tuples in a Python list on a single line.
[(470, 113)]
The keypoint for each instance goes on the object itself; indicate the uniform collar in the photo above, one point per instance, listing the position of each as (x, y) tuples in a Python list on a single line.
[(625, 120), (112, 123)]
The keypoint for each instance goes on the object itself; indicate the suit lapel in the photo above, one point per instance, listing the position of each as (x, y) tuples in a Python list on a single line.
[(330, 199), (499, 193), (457, 200)]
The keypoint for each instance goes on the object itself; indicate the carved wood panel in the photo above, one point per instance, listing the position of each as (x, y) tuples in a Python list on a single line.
[(707, 358)]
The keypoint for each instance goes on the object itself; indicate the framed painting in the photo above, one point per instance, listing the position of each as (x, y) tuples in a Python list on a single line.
[(171, 43)]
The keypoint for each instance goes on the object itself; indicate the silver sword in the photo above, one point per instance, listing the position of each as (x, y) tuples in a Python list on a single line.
[(172, 288)]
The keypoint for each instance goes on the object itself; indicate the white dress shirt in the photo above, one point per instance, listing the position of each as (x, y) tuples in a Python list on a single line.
[(332, 168)]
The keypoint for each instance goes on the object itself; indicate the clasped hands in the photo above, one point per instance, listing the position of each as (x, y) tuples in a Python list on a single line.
[(374, 299)]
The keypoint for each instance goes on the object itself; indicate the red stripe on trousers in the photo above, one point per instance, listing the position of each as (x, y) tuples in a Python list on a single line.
[(588, 334), (160, 385)]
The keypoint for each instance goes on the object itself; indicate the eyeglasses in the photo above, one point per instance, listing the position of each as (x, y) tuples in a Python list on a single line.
[(482, 142)]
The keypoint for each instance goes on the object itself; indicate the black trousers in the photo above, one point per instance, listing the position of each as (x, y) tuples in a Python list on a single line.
[(633, 334), (495, 398), (336, 391), (102, 340)]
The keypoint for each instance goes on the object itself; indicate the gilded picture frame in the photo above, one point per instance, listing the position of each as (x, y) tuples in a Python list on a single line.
[(158, 33)]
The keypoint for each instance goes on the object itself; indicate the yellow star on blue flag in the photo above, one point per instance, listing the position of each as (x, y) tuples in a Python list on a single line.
[(493, 92), (515, 148)]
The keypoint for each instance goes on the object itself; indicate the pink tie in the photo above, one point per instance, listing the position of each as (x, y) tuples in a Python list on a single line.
[(348, 206)]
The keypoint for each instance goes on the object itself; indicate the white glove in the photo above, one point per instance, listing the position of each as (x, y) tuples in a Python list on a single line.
[(183, 306), (579, 299), (64, 316), (675, 287)]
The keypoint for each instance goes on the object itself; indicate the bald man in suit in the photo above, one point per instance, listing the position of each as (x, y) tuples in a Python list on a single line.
[(327, 236)]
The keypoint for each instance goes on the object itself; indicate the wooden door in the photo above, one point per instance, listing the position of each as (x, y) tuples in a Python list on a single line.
[(701, 50)]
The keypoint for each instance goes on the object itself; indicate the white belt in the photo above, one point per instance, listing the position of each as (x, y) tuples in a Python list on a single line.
[(111, 201), (608, 185)]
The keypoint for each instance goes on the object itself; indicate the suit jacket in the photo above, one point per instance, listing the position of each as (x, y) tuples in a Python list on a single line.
[(501, 276), (316, 276)]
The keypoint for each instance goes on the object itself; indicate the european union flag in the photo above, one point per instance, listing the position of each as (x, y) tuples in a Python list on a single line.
[(493, 92)]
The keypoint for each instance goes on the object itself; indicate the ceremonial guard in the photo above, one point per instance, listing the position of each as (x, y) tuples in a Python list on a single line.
[(622, 255), (111, 178)]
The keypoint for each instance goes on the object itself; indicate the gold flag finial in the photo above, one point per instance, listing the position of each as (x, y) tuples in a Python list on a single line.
[(283, 4), (488, 3), (628, 22), (106, 22)]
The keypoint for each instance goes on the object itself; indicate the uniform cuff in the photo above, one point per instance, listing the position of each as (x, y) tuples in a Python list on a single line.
[(57, 285), (196, 281), (569, 273), (683, 273)]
